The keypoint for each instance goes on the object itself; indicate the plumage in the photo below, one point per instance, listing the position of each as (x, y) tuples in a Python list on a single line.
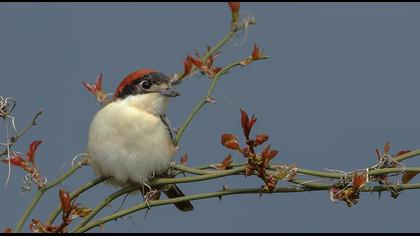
[(122, 128), (130, 139)]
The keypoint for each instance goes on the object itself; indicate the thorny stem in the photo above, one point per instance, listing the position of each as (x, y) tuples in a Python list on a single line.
[(155, 203), (105, 203), (21, 133), (156, 182), (204, 100), (76, 193), (407, 155), (211, 174), (222, 42), (219, 194), (41, 191)]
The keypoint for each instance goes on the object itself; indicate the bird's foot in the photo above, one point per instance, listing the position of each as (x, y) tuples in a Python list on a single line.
[(150, 196)]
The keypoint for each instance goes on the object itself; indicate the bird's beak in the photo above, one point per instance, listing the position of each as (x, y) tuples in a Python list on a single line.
[(168, 90), (169, 93)]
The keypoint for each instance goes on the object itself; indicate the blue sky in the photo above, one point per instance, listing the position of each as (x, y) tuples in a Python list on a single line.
[(343, 78)]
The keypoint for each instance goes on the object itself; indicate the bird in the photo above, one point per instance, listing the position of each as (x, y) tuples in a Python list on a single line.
[(130, 139)]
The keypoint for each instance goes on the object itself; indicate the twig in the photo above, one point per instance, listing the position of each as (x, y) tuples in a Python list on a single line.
[(76, 193), (204, 100), (225, 192), (41, 191), (21, 133)]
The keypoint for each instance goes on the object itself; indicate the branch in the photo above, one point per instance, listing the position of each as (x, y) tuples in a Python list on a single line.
[(142, 206), (219, 194), (205, 100), (222, 42), (21, 133), (41, 192), (76, 193)]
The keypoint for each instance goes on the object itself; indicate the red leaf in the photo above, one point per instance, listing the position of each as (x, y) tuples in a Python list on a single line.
[(402, 152), (98, 82), (407, 177), (89, 87), (187, 65), (378, 154), (244, 120), (246, 152), (7, 230), (386, 148), (265, 152), (36, 226), (16, 160), (260, 139), (216, 70), (256, 53), (97, 90), (272, 154), (30, 154), (184, 159), (224, 164), (80, 211), (234, 6), (65, 200), (196, 62), (251, 123), (268, 154), (360, 178), (246, 123), (230, 141)]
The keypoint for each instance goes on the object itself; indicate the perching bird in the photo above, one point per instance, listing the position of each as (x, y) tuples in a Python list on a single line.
[(130, 139)]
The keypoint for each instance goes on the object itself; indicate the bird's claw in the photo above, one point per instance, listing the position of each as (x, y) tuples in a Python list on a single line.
[(149, 196)]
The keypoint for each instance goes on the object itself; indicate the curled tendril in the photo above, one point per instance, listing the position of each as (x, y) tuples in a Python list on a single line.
[(246, 20), (7, 105)]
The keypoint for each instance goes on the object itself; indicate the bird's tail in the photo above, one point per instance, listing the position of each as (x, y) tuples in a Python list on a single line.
[(172, 191)]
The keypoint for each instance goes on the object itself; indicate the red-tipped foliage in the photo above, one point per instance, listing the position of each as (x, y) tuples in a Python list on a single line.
[(230, 141), (246, 123), (30, 155)]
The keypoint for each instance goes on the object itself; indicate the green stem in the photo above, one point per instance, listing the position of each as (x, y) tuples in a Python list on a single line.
[(220, 44), (28, 211), (196, 171), (76, 193), (156, 182), (219, 194), (394, 170), (141, 206), (105, 203), (204, 100), (189, 179), (33, 123), (407, 155), (39, 194), (22, 132)]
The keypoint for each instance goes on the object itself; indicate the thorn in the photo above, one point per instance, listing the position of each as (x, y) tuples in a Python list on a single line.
[(146, 213), (175, 130), (210, 100), (225, 187), (260, 196), (220, 199)]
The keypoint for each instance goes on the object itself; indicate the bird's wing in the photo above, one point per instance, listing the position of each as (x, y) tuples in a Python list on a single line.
[(166, 122)]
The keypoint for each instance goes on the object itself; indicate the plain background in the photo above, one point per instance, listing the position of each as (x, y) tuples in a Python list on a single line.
[(343, 78)]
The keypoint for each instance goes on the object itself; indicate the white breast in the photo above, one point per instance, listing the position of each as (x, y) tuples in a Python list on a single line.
[(128, 142)]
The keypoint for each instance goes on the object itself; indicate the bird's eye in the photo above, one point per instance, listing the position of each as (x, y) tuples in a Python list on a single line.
[(146, 84)]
